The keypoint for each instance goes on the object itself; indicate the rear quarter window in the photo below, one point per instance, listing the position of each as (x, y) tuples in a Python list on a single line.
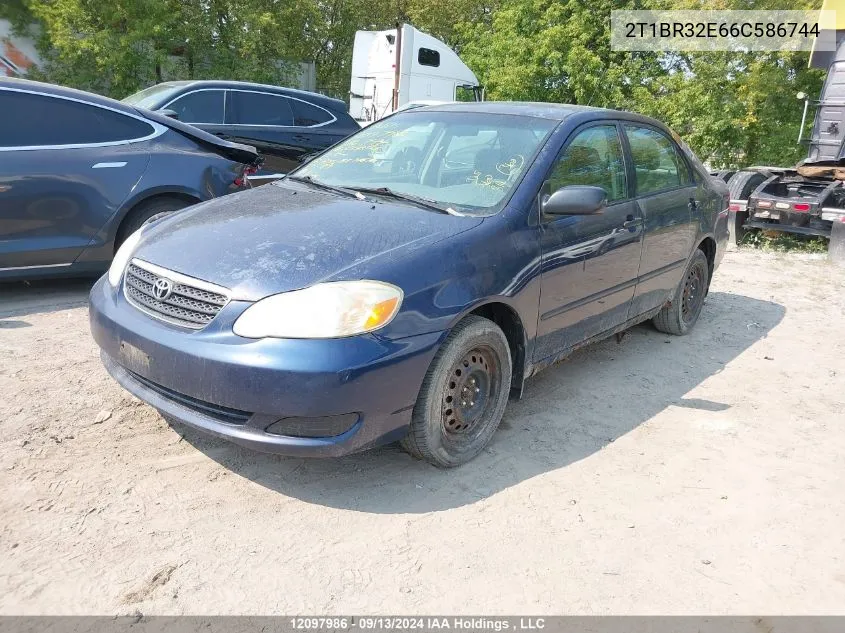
[(38, 120), (306, 114)]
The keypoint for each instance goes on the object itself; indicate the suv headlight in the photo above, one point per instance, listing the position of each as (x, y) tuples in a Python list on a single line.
[(328, 310), (122, 257)]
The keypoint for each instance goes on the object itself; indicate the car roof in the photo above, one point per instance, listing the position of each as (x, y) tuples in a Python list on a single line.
[(552, 111), (62, 91), (313, 97)]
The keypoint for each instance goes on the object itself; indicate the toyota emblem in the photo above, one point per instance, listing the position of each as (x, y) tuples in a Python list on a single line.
[(162, 288)]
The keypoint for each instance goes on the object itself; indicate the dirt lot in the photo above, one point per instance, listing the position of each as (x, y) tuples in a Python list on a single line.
[(703, 474)]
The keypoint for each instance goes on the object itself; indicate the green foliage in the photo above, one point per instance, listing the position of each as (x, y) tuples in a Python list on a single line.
[(770, 241), (733, 109), (118, 47)]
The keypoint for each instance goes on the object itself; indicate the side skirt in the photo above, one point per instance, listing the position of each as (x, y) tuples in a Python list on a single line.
[(556, 358)]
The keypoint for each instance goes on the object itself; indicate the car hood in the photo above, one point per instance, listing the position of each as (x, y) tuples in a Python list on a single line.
[(287, 236)]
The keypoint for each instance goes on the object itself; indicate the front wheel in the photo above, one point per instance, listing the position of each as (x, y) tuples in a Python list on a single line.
[(679, 316), (463, 395), (144, 211)]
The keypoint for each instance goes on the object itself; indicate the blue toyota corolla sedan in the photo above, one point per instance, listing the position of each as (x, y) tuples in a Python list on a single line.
[(405, 283)]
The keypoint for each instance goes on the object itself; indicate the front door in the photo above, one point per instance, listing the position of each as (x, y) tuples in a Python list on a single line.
[(590, 263), (284, 130)]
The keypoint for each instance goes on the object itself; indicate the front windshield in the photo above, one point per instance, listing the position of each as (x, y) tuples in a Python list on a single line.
[(468, 161), (149, 97)]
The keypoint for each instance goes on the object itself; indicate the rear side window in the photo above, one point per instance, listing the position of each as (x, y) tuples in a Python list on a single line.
[(259, 108), (428, 57), (203, 106), (657, 162), (306, 114), (38, 120), (594, 157)]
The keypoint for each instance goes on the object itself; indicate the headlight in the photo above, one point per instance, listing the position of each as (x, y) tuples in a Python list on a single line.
[(122, 256), (327, 310)]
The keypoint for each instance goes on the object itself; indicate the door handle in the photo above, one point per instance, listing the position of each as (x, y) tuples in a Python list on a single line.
[(631, 222), (693, 204), (300, 137)]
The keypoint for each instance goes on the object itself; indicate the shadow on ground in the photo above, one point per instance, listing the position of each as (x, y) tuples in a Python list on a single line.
[(24, 298), (565, 415)]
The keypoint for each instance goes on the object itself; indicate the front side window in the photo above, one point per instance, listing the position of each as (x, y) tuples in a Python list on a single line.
[(656, 161), (258, 108), (594, 157), (469, 161), (38, 120), (202, 106)]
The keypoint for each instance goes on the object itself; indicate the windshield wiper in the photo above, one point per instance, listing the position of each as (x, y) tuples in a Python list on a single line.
[(327, 187), (407, 197)]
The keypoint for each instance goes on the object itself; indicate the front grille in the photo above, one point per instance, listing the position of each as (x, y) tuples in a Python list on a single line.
[(188, 304), (219, 413)]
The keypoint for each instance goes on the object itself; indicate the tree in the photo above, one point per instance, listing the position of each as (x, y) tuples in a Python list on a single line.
[(118, 47), (734, 109)]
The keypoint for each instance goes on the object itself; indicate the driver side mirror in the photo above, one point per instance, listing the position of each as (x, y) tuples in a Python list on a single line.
[(169, 113), (575, 200)]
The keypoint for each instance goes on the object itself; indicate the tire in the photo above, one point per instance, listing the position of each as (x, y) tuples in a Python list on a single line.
[(144, 211), (741, 185), (474, 362), (681, 314)]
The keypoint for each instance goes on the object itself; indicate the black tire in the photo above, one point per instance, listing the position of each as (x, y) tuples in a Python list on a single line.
[(144, 211), (680, 315), (741, 185), (474, 362)]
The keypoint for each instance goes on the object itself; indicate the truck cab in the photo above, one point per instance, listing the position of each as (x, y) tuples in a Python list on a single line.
[(400, 66)]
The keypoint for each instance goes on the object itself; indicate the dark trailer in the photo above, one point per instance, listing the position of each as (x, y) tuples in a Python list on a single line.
[(808, 199)]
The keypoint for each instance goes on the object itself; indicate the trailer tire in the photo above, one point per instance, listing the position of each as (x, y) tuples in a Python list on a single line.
[(741, 185)]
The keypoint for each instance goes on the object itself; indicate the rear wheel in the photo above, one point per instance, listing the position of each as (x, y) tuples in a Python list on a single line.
[(144, 211), (741, 185), (680, 315), (463, 395)]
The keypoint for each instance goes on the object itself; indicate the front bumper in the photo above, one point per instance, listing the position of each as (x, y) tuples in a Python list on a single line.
[(236, 388)]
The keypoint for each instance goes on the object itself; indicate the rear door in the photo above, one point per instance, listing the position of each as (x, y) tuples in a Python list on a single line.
[(265, 120), (666, 195), (315, 126), (66, 166), (590, 262)]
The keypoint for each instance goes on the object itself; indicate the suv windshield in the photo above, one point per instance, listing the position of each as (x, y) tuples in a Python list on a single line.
[(469, 161)]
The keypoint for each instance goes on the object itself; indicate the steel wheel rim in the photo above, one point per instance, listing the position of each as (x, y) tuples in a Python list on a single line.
[(693, 296), (470, 392)]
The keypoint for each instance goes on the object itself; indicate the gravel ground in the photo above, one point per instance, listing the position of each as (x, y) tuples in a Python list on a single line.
[(703, 474)]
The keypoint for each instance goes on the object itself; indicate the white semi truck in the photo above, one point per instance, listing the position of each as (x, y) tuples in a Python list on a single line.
[(403, 66)]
